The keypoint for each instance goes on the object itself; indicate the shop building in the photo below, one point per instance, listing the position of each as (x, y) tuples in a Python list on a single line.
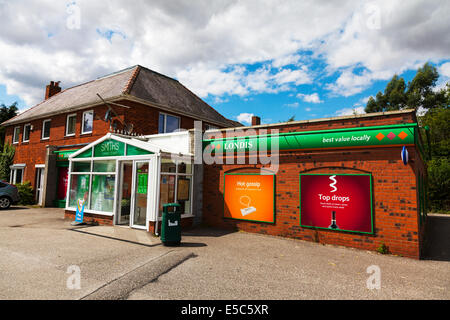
[(134, 101), (125, 180), (356, 181)]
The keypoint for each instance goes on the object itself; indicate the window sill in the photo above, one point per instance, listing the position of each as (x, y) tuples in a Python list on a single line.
[(69, 135)]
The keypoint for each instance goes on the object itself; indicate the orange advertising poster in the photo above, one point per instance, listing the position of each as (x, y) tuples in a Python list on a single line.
[(250, 197)]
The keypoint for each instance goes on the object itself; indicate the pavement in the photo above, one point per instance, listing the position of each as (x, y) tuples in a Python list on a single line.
[(41, 256)]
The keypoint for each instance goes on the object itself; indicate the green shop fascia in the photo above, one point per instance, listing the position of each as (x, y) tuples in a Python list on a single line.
[(129, 179)]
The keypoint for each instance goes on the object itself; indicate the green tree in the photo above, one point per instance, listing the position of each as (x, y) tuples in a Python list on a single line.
[(6, 160), (420, 92), (6, 113)]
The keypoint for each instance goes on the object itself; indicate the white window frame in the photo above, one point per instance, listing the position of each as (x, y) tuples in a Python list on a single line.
[(43, 126), (67, 124), (82, 122), (24, 130), (13, 172), (177, 175), (14, 141), (165, 121)]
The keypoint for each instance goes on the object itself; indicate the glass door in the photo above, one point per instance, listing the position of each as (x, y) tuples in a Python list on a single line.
[(125, 192), (139, 212)]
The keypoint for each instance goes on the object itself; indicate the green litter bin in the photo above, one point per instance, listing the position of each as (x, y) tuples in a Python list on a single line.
[(171, 224)]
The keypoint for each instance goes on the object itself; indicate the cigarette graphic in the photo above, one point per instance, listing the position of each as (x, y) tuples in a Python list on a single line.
[(245, 201)]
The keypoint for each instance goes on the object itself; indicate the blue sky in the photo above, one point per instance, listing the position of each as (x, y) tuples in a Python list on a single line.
[(306, 59)]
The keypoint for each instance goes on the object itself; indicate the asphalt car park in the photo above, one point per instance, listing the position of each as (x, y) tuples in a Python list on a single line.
[(42, 256)]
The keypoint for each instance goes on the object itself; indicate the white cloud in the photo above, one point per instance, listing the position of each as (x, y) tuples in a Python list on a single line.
[(245, 118), (292, 105), (311, 98), (209, 43), (444, 69), (350, 111)]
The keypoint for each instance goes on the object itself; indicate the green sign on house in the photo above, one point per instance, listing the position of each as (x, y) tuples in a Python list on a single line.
[(109, 148)]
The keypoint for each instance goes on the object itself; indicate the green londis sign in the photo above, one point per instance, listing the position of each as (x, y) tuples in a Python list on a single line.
[(109, 148), (404, 134)]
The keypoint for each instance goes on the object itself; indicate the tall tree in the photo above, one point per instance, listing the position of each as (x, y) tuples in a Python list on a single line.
[(6, 113), (419, 93)]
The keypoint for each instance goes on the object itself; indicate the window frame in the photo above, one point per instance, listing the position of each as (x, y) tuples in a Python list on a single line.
[(43, 129), (13, 173), (67, 125), (82, 122), (178, 174), (24, 131), (14, 135), (165, 121)]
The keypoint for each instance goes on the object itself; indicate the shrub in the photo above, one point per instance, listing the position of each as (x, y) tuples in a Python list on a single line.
[(383, 249), (25, 193)]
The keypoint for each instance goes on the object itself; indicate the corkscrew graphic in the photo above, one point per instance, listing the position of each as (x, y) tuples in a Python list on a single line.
[(333, 185), (245, 201)]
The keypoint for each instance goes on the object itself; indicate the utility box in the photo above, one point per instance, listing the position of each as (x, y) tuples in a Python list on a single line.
[(171, 224)]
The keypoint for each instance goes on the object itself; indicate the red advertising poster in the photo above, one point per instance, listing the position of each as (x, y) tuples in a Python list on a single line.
[(62, 182), (338, 202)]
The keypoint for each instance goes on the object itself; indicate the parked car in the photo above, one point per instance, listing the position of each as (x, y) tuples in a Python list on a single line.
[(8, 195)]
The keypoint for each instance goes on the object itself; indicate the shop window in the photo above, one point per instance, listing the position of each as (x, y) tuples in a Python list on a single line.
[(176, 184), (102, 193), (46, 129), (184, 167), (71, 124), (166, 190), (88, 121), (81, 166), (79, 188), (168, 165), (26, 132), (184, 193), (105, 166), (168, 123), (16, 135)]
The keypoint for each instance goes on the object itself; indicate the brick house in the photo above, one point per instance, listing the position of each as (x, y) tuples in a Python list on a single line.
[(135, 101)]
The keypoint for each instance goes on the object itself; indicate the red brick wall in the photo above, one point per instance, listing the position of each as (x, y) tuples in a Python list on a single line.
[(394, 192), (90, 217), (34, 151)]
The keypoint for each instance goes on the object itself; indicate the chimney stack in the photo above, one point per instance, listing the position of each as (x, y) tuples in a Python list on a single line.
[(52, 89), (256, 121)]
